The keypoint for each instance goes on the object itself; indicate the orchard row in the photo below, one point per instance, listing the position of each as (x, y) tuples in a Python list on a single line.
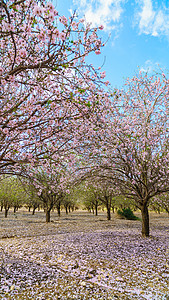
[(62, 125)]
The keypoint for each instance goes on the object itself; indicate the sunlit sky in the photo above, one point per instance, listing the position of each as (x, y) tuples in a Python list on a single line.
[(137, 33)]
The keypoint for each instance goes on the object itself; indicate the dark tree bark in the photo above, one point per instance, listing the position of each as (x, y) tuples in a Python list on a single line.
[(34, 208), (145, 221), (108, 213), (166, 209), (58, 208), (108, 207), (47, 216), (96, 208), (113, 209), (1, 207), (6, 212)]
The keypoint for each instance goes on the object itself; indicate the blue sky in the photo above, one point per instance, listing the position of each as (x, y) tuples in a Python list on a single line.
[(138, 32)]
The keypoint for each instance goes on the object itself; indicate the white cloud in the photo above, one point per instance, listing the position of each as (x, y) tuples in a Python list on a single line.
[(101, 12), (150, 66), (153, 21)]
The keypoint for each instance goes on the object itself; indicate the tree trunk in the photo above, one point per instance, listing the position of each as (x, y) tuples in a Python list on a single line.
[(1, 207), (66, 209), (145, 221), (108, 207), (6, 212), (96, 208), (58, 209), (14, 209), (33, 212), (29, 208), (167, 209), (108, 213), (47, 216)]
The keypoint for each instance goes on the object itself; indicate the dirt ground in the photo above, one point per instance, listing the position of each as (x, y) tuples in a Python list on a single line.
[(82, 256)]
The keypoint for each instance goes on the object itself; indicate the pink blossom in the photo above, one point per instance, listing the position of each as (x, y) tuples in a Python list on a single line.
[(97, 52), (107, 83), (62, 36), (55, 12), (22, 53), (5, 130), (49, 6), (101, 27), (103, 74), (63, 20), (37, 11), (50, 16), (56, 32)]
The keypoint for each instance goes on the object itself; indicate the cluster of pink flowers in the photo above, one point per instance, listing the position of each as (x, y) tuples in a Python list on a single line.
[(63, 20), (22, 53)]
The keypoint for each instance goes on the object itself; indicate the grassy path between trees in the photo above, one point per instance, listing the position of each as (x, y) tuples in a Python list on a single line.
[(81, 256)]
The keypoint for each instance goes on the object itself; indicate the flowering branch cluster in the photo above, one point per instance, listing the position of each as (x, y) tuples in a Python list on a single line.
[(46, 86)]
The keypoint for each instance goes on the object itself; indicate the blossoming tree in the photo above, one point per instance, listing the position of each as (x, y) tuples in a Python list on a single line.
[(137, 147), (50, 182), (131, 147), (45, 84)]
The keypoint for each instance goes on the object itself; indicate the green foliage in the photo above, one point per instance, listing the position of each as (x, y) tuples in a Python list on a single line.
[(127, 214), (11, 192)]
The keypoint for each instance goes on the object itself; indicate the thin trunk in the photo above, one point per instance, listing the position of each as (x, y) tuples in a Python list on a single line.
[(1, 207), (108, 207), (145, 221), (58, 209), (33, 212), (66, 209), (96, 208), (47, 216), (108, 213), (6, 212), (29, 208), (14, 209)]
